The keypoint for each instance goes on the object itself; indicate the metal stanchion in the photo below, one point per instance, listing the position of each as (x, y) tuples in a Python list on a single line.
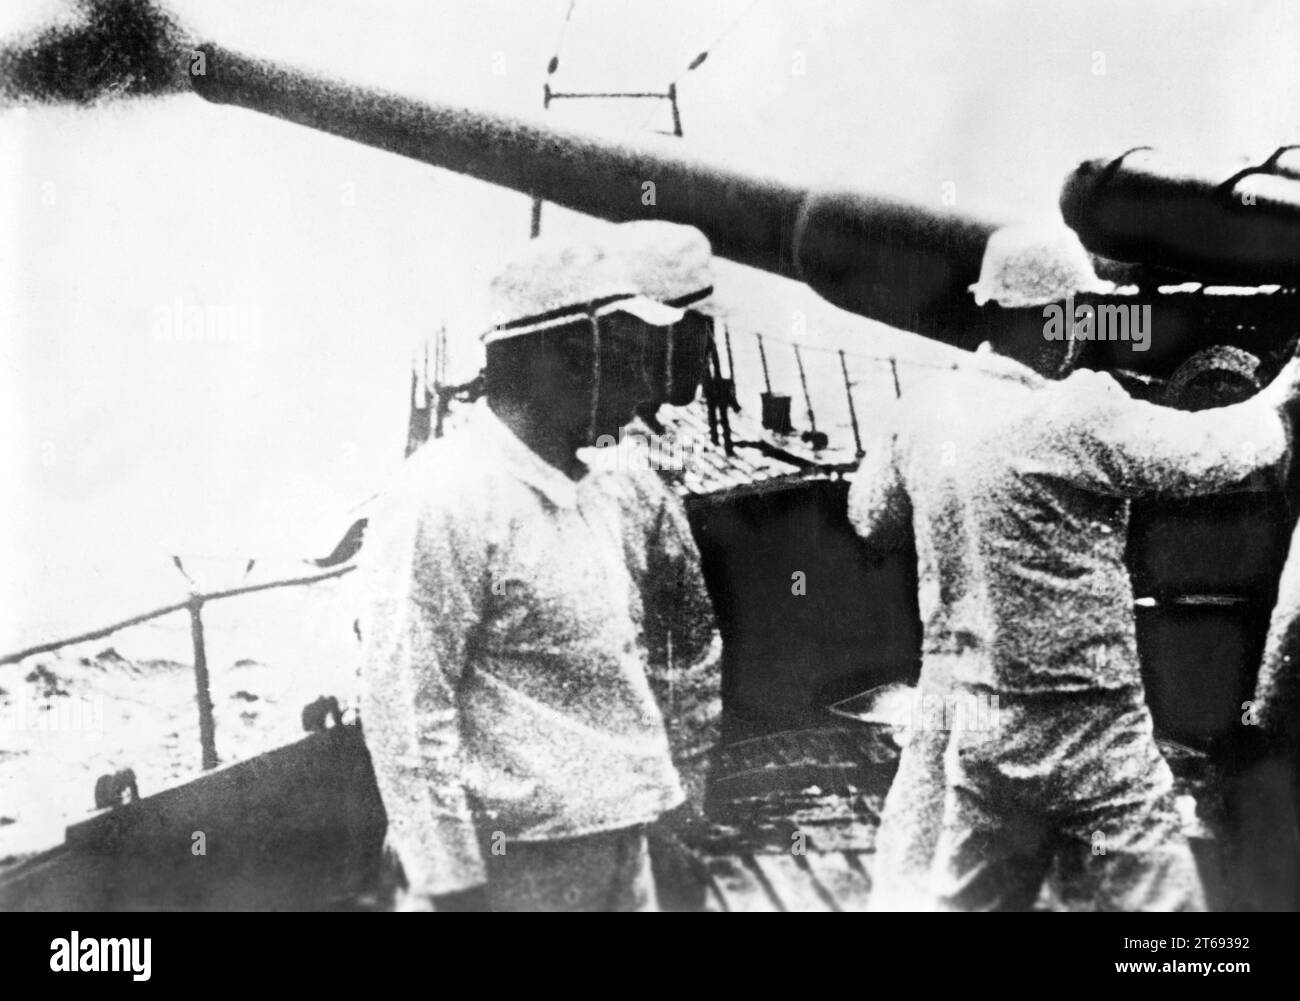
[(207, 723)]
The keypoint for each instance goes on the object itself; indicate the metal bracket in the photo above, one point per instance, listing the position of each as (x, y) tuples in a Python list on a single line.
[(316, 714), (116, 789)]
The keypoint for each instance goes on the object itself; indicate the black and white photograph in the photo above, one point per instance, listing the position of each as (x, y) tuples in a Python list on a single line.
[(651, 455)]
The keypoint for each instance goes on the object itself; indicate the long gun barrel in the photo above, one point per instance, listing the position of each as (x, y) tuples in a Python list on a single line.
[(1238, 223), (888, 258)]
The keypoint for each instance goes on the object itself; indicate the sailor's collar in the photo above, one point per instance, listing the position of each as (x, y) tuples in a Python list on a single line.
[(488, 431)]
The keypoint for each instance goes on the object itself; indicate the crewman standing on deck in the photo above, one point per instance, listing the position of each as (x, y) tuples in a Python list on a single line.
[(515, 734), (1015, 483)]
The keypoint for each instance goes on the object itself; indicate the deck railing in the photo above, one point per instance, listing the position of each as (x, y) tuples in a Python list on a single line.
[(194, 606)]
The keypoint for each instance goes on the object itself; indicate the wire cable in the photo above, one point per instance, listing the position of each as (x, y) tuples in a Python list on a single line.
[(708, 49), (554, 64), (703, 55)]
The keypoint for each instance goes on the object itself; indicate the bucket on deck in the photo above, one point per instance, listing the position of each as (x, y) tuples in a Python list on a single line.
[(776, 413)]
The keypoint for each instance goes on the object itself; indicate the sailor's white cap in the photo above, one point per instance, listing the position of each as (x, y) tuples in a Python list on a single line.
[(554, 282), (667, 262), (1035, 264)]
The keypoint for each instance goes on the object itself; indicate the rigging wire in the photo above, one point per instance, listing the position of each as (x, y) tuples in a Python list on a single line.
[(554, 64), (708, 49), (704, 54)]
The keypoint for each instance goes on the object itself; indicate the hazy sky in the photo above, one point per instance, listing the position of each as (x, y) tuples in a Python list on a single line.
[(323, 262)]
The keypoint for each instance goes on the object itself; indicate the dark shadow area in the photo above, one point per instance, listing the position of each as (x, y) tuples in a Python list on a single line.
[(788, 655)]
